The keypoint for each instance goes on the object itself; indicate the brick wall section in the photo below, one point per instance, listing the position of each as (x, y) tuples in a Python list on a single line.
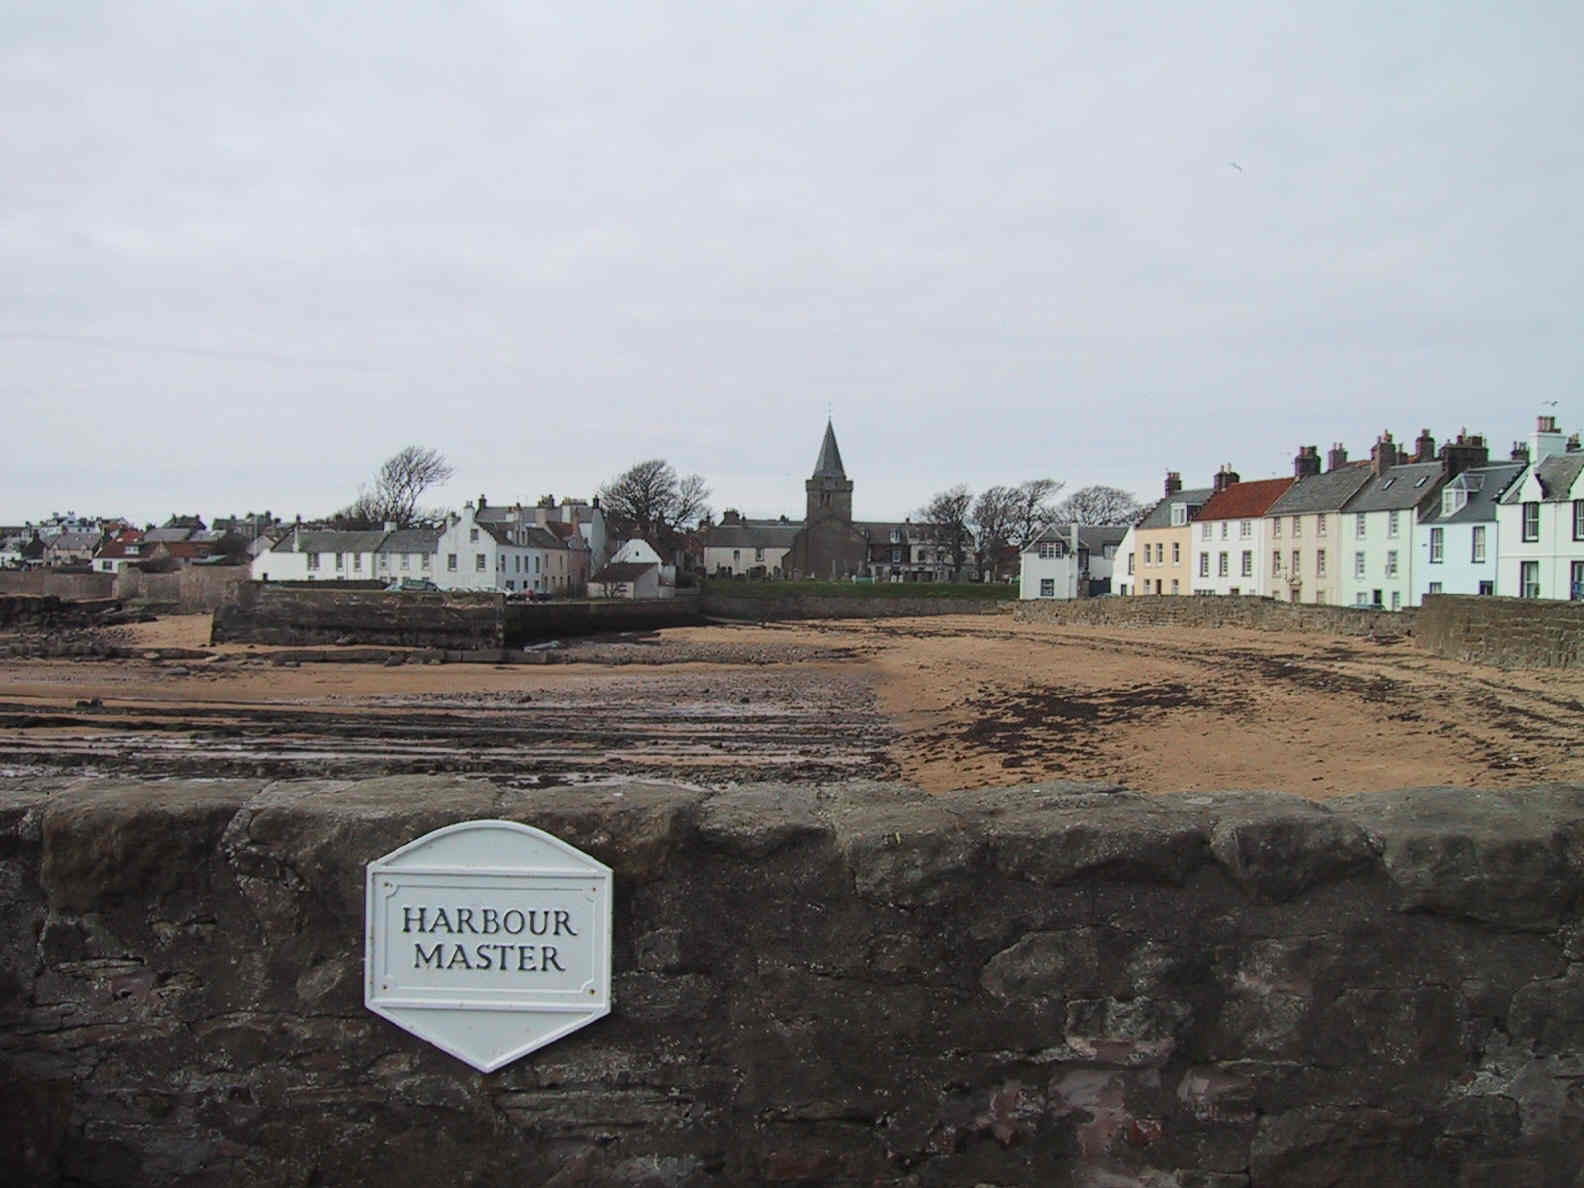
[(1256, 614), (1505, 632), (263, 613), (801, 606), (843, 984)]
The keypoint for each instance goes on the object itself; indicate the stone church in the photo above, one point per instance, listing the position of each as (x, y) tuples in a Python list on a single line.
[(829, 546)]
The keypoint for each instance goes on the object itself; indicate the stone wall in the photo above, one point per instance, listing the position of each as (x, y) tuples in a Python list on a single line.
[(1257, 614), (192, 588), (849, 984), (1505, 632), (721, 605), (261, 612), (74, 585), (527, 621)]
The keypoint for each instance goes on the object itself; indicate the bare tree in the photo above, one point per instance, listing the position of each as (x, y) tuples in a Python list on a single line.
[(1099, 505), (992, 522), (1031, 511), (650, 501), (359, 515), (946, 521), (403, 479)]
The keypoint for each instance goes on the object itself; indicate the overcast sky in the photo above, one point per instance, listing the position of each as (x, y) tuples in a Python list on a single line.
[(250, 250)]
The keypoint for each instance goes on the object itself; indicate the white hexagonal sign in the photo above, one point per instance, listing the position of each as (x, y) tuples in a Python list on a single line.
[(488, 939)]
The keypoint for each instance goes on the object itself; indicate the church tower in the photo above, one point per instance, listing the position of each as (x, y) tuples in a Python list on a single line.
[(829, 489)]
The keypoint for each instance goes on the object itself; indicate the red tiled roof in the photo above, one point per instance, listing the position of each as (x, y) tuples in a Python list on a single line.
[(1242, 501)]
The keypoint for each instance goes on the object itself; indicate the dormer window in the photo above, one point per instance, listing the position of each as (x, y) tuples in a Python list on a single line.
[(1179, 514), (1453, 500)]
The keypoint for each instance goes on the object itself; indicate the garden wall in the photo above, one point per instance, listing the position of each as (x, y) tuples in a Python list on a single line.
[(189, 589), (842, 984)]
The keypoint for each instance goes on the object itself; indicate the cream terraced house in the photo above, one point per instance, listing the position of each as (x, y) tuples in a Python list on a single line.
[(1304, 533), (1162, 541)]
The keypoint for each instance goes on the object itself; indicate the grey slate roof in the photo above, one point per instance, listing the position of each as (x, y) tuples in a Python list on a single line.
[(1322, 492), (1159, 516), (75, 540), (829, 464), (1557, 474), (753, 534), (155, 535), (1093, 537), (539, 537), (410, 540), (327, 540), (1397, 489), (1485, 485)]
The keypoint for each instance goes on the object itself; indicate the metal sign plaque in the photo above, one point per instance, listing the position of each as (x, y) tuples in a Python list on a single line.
[(488, 939)]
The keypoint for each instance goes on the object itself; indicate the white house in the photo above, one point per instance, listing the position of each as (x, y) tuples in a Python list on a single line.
[(559, 572), (741, 547), (1541, 521), (1375, 540), (408, 553), (1456, 543), (506, 555), (626, 579), (1067, 558), (1123, 571), (317, 554), (639, 552), (1231, 550)]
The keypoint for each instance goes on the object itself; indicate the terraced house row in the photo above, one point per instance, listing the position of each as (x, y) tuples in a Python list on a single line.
[(1379, 532)]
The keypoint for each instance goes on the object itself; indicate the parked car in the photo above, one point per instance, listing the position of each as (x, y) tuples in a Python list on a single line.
[(399, 585)]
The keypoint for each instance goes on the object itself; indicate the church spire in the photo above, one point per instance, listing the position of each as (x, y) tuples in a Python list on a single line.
[(830, 463)]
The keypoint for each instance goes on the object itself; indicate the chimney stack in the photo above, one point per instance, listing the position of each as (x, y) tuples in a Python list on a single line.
[(1307, 462), (1336, 457), (1520, 452), (1384, 454), (1463, 454), (1224, 478), (1173, 482), (1424, 447), (1547, 440), (1573, 446)]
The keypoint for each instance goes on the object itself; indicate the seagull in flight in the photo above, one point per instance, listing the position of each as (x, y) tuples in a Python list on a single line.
[(1236, 166)]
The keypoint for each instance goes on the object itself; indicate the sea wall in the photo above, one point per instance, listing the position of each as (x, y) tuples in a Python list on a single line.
[(1505, 632), (72, 585), (718, 604), (259, 612), (842, 984), (1257, 614), (529, 621)]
